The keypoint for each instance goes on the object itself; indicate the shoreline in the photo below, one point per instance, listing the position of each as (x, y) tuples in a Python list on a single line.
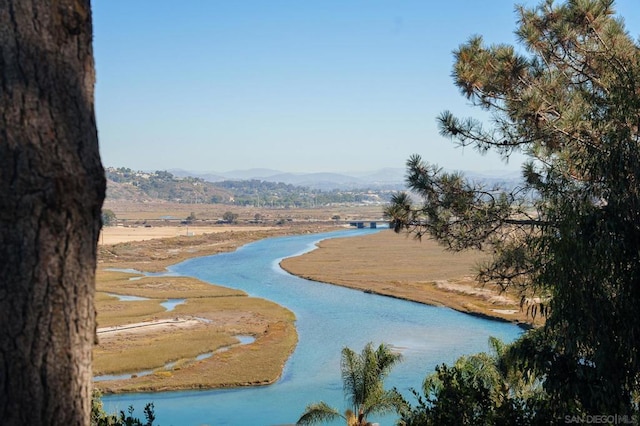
[(417, 271), (523, 325)]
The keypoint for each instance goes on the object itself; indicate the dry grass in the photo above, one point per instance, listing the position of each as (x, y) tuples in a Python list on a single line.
[(399, 266), (160, 287), (258, 363), (152, 350), (120, 234), (114, 312), (134, 212)]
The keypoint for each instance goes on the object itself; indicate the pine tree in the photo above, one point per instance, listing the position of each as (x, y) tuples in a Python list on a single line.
[(570, 102)]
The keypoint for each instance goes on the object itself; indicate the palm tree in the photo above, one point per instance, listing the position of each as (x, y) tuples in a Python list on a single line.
[(362, 378)]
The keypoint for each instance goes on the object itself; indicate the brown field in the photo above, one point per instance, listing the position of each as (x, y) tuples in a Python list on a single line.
[(165, 213), (212, 316), (151, 254), (141, 335), (121, 234)]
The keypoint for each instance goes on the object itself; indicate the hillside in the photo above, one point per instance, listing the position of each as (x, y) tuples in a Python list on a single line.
[(130, 185), (278, 190), (126, 184)]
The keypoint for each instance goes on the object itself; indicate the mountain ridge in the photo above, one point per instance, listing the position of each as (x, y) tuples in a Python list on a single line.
[(386, 178)]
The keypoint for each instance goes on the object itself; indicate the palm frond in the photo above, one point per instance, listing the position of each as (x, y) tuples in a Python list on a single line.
[(384, 402), (351, 367), (317, 413)]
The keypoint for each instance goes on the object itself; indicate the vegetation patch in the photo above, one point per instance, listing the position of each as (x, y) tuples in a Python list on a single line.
[(161, 287)]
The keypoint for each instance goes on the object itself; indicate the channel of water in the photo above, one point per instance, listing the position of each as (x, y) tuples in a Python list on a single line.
[(242, 340), (328, 319)]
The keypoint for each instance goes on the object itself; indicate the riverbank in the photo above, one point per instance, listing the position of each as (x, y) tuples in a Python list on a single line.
[(398, 266)]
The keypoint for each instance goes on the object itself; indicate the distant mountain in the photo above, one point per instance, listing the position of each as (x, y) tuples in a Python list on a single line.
[(184, 187), (507, 180), (209, 177), (383, 179), (261, 174), (385, 176), (322, 181)]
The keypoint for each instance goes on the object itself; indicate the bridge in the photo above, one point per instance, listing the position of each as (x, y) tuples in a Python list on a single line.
[(360, 224)]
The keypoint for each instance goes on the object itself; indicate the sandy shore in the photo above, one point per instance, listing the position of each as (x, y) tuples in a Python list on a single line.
[(122, 234)]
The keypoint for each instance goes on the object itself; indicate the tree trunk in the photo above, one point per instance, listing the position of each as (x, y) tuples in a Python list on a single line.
[(51, 191)]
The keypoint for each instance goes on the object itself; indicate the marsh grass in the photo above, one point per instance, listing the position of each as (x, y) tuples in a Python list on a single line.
[(423, 271), (161, 287), (222, 313), (115, 312), (156, 349), (230, 312), (258, 363), (383, 263), (240, 307)]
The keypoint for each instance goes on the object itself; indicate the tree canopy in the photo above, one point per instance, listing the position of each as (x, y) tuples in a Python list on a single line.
[(479, 389), (568, 97)]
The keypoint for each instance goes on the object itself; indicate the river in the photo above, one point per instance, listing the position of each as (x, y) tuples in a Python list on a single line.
[(328, 319)]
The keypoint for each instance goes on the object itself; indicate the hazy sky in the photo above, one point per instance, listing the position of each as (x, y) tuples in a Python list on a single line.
[(296, 85)]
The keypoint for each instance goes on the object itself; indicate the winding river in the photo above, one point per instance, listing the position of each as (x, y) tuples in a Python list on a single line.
[(328, 318)]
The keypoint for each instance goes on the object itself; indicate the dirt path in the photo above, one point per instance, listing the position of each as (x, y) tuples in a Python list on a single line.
[(147, 326)]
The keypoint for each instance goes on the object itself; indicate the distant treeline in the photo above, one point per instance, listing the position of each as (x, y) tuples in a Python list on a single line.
[(124, 183)]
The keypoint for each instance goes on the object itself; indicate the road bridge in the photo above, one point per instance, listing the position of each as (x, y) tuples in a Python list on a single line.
[(360, 224)]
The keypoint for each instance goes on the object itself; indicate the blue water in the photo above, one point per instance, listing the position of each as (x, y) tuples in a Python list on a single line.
[(171, 304), (127, 298), (328, 319)]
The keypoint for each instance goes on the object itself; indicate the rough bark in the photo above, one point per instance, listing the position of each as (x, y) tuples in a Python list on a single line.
[(51, 191)]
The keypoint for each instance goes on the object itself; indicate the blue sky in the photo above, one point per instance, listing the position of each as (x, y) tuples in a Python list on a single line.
[(296, 85)]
